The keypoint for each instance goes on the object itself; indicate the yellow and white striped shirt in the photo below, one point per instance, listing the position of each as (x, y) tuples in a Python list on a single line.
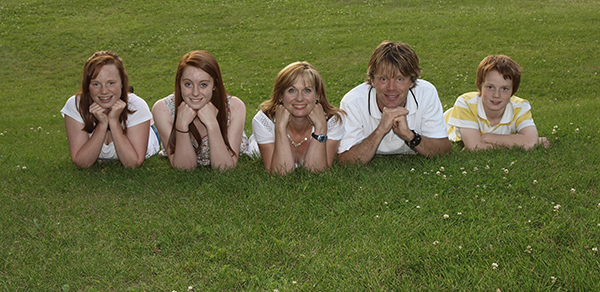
[(468, 112)]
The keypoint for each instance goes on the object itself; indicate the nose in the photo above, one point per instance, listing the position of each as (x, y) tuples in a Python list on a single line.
[(195, 91), (391, 85), (103, 89)]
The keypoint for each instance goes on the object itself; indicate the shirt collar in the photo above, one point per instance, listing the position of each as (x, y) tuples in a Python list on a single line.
[(507, 116)]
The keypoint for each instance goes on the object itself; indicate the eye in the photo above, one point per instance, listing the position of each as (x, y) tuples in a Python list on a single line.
[(307, 90), (187, 84), (95, 84), (111, 83), (505, 88), (383, 79), (292, 90), (489, 87), (203, 85), (400, 79)]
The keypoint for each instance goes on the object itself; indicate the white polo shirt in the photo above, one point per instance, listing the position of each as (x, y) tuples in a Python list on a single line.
[(425, 117)]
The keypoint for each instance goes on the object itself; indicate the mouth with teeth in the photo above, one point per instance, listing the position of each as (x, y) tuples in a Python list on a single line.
[(105, 98), (299, 106)]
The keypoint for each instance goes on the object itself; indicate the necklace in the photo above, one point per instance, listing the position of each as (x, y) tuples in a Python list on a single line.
[(294, 143)]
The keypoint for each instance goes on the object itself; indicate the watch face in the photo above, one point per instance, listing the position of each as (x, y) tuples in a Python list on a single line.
[(320, 138)]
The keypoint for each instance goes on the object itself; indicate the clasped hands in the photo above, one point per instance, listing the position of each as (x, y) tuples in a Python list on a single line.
[(395, 118), (109, 114), (206, 114)]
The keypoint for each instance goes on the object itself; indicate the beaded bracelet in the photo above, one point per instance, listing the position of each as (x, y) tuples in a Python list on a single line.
[(180, 131)]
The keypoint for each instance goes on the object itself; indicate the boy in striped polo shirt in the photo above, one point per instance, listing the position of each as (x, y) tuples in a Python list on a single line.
[(494, 116)]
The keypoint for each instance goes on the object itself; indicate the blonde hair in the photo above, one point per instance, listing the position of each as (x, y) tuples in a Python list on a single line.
[(287, 77)]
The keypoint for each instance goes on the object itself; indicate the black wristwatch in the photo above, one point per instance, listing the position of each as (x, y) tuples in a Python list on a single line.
[(415, 141), (320, 138)]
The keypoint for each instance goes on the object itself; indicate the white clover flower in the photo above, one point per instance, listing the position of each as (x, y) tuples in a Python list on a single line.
[(294, 282), (494, 266), (506, 171), (553, 279), (436, 242), (535, 182), (487, 167), (464, 173), (24, 167), (442, 169), (446, 216), (482, 199), (594, 249), (418, 207), (572, 191), (435, 195), (512, 163), (385, 202), (190, 288), (438, 173), (376, 216), (520, 207), (504, 178), (556, 208), (475, 169), (425, 172), (444, 176), (598, 205), (412, 170), (459, 213), (577, 130), (39, 128), (529, 249), (555, 126), (462, 168), (460, 247)]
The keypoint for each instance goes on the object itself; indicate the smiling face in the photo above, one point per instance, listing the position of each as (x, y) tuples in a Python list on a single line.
[(300, 98), (197, 87), (106, 88), (392, 88), (495, 93)]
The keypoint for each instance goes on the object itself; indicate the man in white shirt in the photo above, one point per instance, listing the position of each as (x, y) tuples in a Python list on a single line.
[(393, 112)]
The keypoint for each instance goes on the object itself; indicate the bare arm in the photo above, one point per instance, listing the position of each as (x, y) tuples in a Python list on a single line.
[(184, 157), (220, 156), (527, 138), (278, 157), (430, 147), (130, 148), (364, 151), (84, 150), (317, 156)]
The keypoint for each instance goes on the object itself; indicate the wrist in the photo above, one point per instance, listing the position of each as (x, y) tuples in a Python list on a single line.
[(415, 141)]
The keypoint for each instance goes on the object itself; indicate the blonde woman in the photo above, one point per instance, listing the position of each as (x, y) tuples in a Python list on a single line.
[(298, 126)]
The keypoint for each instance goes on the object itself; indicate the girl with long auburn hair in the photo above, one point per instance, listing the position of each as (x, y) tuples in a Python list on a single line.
[(103, 120), (200, 123), (298, 126)]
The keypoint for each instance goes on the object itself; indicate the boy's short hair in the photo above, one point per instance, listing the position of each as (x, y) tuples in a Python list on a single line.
[(507, 67), (394, 56)]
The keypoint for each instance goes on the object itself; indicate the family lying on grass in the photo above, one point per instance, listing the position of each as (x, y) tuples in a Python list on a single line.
[(393, 112)]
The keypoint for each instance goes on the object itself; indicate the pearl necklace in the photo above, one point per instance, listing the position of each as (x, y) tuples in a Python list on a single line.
[(294, 143)]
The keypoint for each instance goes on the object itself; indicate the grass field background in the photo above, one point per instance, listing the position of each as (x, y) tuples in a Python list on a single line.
[(502, 219)]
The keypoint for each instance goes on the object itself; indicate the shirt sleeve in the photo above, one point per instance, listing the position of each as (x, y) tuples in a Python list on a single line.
[(263, 129), (353, 128), (463, 115), (70, 109), (335, 128), (432, 121), (142, 112)]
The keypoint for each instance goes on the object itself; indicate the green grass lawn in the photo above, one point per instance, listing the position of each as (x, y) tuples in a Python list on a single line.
[(505, 220)]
